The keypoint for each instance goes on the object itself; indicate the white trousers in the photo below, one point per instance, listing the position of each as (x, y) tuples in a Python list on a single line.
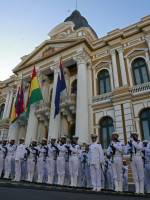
[(96, 175), (30, 165), (40, 167), (117, 168), (73, 166), (18, 170), (147, 177), (51, 164), (147, 173), (1, 164), (125, 182), (137, 168), (61, 162), (8, 161)]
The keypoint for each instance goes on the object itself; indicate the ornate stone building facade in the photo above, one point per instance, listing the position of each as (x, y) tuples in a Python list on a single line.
[(107, 81)]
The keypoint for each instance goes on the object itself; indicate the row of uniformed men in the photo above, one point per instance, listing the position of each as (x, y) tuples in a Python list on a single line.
[(67, 161)]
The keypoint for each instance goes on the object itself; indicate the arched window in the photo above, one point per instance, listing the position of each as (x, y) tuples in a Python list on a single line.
[(140, 71), (72, 131), (104, 82), (2, 111), (74, 87), (145, 124), (106, 129)]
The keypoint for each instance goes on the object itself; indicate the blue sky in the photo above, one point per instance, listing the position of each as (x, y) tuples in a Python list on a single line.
[(24, 24)]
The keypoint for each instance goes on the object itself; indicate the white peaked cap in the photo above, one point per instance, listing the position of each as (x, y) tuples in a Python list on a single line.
[(21, 139), (44, 139), (74, 136), (63, 136), (134, 133), (94, 136), (115, 133), (145, 141), (12, 139), (34, 141)]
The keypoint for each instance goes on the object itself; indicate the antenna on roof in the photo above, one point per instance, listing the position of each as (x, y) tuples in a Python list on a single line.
[(76, 4)]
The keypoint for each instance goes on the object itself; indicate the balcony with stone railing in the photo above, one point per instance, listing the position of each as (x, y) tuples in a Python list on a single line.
[(143, 88), (4, 123), (68, 107), (43, 109), (68, 102), (102, 97)]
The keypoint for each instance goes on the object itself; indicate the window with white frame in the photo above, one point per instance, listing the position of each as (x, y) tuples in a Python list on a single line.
[(145, 123), (104, 82), (106, 129), (140, 72)]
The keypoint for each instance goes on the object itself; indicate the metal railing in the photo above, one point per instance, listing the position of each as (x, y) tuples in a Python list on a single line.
[(102, 97), (140, 88)]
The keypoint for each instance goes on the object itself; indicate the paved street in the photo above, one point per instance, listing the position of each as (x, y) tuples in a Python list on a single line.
[(8, 193)]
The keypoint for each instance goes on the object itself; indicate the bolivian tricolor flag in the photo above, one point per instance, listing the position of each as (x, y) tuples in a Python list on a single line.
[(34, 94)]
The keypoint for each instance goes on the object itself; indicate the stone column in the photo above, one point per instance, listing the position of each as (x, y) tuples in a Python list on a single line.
[(21, 131), (46, 91), (6, 105), (115, 71), (63, 126), (41, 129), (13, 131), (111, 77), (43, 83), (129, 118), (54, 124), (90, 111), (26, 86), (9, 104), (118, 121), (95, 79), (82, 98), (122, 66), (67, 79), (4, 133), (32, 125), (148, 41), (129, 72)]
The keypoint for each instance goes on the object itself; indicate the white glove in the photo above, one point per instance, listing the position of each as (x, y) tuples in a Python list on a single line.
[(112, 143), (131, 139)]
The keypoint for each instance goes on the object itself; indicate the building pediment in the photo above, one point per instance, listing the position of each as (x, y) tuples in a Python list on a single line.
[(135, 51), (102, 63), (46, 49)]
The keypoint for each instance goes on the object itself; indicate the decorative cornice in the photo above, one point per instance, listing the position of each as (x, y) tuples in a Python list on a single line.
[(82, 58), (112, 52), (42, 77), (120, 50), (147, 38)]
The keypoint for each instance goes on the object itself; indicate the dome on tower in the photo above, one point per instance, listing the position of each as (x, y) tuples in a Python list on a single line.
[(79, 21)]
